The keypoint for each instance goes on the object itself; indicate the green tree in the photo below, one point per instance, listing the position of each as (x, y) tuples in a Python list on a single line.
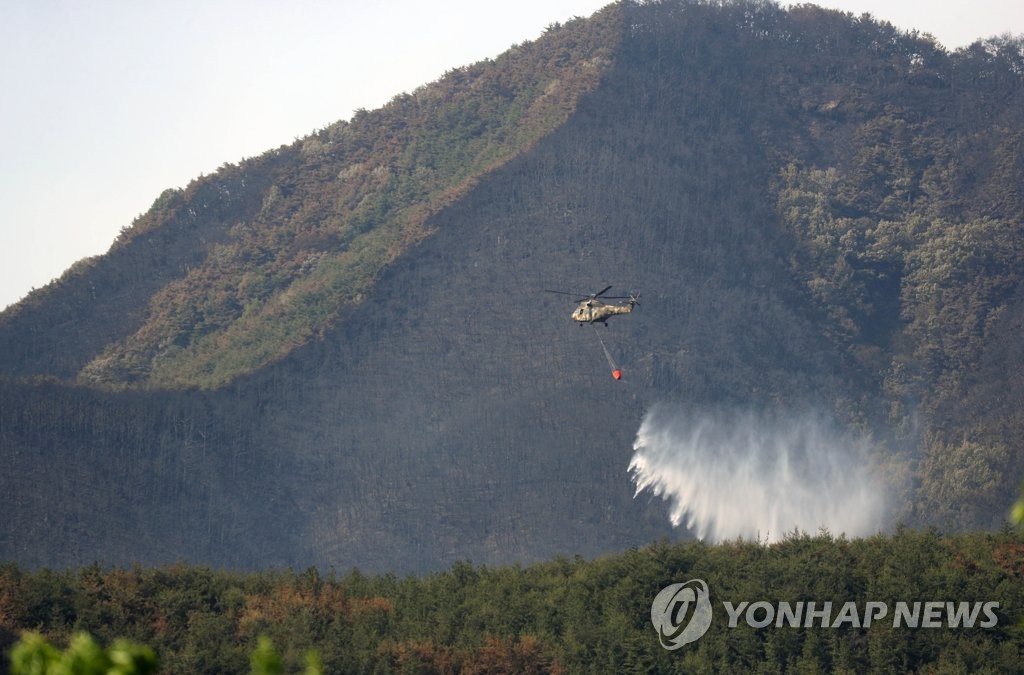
[(33, 655), (265, 660)]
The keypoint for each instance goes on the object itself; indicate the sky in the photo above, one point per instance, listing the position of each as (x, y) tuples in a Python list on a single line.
[(108, 103)]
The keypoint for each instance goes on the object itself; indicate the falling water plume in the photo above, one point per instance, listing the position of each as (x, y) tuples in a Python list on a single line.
[(730, 474)]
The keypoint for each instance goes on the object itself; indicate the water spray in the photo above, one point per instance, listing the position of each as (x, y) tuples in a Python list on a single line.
[(732, 474)]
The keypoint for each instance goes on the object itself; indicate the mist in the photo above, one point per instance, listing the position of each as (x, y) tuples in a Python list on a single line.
[(729, 474)]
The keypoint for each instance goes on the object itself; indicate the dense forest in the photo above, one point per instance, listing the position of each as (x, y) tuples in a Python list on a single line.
[(566, 615), (340, 352)]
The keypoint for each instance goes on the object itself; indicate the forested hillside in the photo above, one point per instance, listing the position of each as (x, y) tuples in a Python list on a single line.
[(565, 615), (340, 352), (238, 269)]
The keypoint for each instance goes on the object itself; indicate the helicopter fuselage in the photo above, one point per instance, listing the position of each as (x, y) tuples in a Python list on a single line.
[(595, 311)]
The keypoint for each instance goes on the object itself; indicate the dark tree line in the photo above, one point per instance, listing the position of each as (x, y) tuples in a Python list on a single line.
[(564, 615)]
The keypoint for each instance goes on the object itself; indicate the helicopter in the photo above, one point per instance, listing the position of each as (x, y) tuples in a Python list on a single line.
[(593, 308)]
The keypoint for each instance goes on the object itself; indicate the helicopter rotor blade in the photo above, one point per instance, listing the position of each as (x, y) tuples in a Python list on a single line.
[(580, 297)]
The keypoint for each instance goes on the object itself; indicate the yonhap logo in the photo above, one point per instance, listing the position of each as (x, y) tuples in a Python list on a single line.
[(681, 613)]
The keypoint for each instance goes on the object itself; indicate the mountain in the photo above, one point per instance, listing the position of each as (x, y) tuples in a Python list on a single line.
[(340, 352)]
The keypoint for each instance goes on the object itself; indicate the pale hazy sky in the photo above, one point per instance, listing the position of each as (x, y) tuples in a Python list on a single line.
[(106, 103)]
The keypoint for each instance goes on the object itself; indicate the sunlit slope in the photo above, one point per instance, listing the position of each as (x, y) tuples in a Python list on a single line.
[(286, 243)]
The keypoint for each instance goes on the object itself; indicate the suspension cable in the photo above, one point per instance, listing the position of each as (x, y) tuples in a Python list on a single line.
[(616, 373)]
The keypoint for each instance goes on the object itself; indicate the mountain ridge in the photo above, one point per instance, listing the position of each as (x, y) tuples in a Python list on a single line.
[(285, 247), (821, 212)]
